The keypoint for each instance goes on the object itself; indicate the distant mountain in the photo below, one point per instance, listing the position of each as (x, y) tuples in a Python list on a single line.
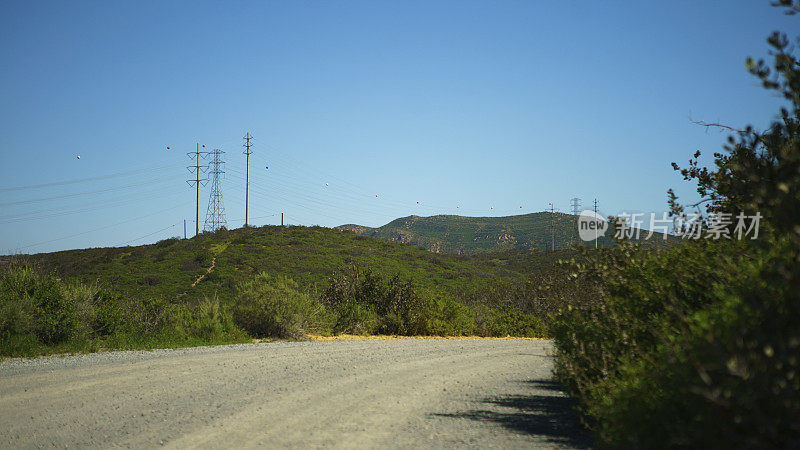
[(470, 235)]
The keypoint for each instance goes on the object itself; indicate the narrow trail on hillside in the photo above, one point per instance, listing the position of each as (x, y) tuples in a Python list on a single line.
[(210, 269)]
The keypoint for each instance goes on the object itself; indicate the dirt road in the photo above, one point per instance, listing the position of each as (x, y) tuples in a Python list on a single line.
[(354, 394)]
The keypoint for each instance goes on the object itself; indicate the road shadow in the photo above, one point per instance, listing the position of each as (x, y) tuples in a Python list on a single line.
[(546, 412)]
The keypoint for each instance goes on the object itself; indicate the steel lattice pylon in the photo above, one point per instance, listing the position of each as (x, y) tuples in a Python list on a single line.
[(215, 215)]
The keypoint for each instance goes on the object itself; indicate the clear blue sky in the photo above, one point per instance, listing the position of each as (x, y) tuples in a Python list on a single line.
[(470, 104)]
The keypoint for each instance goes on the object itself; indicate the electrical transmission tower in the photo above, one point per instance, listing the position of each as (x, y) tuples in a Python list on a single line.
[(247, 182), (197, 169), (215, 215), (576, 205)]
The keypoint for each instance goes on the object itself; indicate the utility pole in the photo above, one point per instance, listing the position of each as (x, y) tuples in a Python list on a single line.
[(595, 228), (247, 177), (184, 228), (197, 169), (281, 219), (215, 215)]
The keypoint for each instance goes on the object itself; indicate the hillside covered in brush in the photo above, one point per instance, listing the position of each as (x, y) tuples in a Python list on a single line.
[(471, 235), (233, 285), (309, 255)]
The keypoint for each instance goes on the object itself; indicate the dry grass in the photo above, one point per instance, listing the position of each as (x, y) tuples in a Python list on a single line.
[(357, 337)]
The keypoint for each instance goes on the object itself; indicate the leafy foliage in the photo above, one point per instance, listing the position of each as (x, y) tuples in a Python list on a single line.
[(274, 307), (369, 304), (308, 255), (697, 345), (390, 307), (266, 282), (39, 313)]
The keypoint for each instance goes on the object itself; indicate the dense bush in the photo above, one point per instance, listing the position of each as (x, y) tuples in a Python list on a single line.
[(540, 295), (44, 307), (40, 313), (366, 303), (269, 306), (699, 345), (685, 341), (208, 321), (447, 317)]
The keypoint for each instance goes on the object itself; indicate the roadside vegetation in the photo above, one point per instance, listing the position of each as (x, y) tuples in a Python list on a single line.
[(41, 314), (698, 345), (270, 282)]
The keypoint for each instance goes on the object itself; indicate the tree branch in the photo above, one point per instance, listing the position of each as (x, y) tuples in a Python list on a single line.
[(703, 123)]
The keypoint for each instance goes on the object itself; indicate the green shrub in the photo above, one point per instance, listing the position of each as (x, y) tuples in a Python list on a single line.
[(17, 307), (675, 350), (208, 321), (401, 309), (147, 315), (699, 346), (167, 242), (83, 300), (269, 306), (202, 259), (507, 321), (447, 317), (26, 344), (151, 280), (513, 322), (366, 303), (40, 305), (109, 317), (38, 310), (356, 318)]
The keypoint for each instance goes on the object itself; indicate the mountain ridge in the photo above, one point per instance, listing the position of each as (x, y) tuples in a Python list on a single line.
[(465, 235)]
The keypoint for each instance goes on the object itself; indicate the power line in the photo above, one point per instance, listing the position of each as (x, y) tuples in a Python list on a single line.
[(79, 194), (292, 198), (59, 212), (345, 189), (83, 180), (148, 235), (357, 190), (98, 229), (358, 194)]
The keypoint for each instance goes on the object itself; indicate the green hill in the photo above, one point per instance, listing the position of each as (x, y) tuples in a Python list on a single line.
[(309, 255), (471, 235), (272, 281)]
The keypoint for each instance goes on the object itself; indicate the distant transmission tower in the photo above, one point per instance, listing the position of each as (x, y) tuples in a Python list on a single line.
[(215, 215), (576, 206), (247, 179), (197, 169)]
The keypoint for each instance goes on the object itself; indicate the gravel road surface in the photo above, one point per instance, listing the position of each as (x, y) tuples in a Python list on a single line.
[(343, 394)]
